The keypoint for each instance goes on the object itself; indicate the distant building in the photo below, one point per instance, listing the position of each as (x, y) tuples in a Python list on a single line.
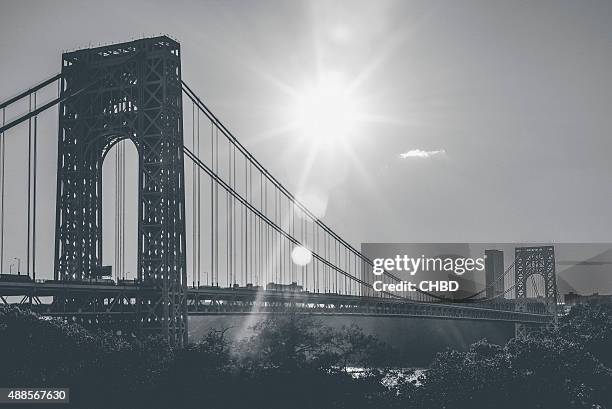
[(494, 271), (572, 299)]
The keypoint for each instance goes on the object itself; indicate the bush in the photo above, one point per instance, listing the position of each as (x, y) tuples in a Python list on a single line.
[(295, 361)]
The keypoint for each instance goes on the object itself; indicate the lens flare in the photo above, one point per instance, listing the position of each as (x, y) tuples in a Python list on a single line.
[(315, 201), (301, 255)]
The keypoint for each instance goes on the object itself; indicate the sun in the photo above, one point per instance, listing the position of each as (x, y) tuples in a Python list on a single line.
[(325, 113)]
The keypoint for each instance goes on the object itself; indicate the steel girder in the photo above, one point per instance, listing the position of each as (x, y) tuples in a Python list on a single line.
[(97, 301)]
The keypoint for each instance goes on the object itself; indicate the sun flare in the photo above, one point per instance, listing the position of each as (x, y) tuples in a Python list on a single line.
[(325, 113)]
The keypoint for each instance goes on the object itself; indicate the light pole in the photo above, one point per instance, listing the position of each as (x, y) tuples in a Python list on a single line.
[(18, 265)]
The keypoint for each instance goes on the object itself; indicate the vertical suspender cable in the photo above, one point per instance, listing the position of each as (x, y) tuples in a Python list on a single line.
[(118, 221), (199, 209), (337, 258), (120, 147), (228, 215), (228, 245), (327, 256), (279, 263), (119, 161), (231, 210), (212, 207), (60, 85), (281, 254), (346, 263), (244, 229), (34, 196), (119, 209), (304, 236), (315, 235), (234, 219), (328, 278), (123, 146), (29, 186), (217, 206), (276, 242), (117, 212), (249, 224), (260, 237), (264, 234), (2, 167), (276, 270), (241, 228), (321, 271), (291, 263), (315, 267), (332, 275), (199, 260), (229, 219), (193, 199), (324, 267)]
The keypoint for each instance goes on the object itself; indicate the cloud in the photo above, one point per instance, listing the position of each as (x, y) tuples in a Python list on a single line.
[(418, 153)]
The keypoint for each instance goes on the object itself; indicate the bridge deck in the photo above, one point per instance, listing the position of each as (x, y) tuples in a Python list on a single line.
[(105, 299)]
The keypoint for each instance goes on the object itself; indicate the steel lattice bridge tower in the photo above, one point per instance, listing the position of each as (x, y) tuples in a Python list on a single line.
[(531, 261), (135, 94), (214, 241)]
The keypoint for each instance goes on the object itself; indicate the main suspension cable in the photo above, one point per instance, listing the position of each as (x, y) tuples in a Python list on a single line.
[(270, 223)]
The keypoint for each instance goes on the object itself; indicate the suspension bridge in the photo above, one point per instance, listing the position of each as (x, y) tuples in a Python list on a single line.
[(216, 234)]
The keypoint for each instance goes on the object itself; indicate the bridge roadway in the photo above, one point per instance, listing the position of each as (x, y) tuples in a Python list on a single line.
[(101, 299)]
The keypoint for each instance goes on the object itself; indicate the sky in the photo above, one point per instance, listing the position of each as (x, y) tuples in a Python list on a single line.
[(463, 121)]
